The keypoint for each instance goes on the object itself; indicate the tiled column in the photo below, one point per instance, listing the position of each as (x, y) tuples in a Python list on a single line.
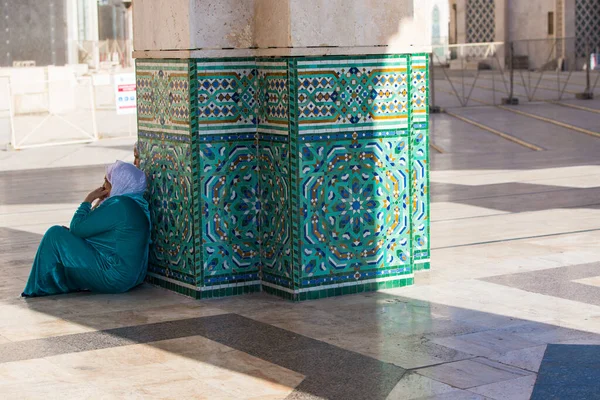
[(419, 151), (353, 175), (302, 176), (167, 130)]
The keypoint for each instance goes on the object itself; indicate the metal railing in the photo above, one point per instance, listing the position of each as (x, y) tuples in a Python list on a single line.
[(455, 78), (520, 71)]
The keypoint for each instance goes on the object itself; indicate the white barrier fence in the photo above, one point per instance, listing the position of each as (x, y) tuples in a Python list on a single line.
[(522, 71), (41, 107), (52, 112)]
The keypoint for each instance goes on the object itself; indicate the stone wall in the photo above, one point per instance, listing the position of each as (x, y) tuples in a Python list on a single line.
[(33, 30), (292, 27)]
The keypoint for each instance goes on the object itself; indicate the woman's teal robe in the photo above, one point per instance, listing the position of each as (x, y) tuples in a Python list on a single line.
[(105, 250)]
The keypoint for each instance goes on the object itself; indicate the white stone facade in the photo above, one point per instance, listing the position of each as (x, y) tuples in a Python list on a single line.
[(194, 28), (546, 31)]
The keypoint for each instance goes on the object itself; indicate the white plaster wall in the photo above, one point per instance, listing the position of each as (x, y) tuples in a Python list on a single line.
[(528, 30), (351, 23), (284, 24), (461, 21), (72, 32), (222, 23), (192, 24), (451, 35), (529, 19), (272, 26), (569, 44)]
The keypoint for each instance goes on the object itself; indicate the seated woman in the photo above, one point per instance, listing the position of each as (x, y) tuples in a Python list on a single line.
[(106, 248)]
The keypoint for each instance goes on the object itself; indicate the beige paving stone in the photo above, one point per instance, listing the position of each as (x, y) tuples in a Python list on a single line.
[(528, 359), (415, 386), (488, 343), (104, 321), (515, 389), (471, 373)]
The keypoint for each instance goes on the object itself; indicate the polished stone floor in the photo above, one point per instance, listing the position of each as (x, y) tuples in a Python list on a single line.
[(514, 290)]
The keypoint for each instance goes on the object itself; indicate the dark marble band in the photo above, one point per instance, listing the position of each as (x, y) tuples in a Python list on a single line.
[(331, 372)]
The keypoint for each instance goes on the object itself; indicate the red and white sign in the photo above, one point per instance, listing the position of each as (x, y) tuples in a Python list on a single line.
[(125, 93)]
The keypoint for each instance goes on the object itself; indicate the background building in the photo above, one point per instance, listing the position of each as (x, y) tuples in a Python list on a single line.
[(60, 32), (543, 32)]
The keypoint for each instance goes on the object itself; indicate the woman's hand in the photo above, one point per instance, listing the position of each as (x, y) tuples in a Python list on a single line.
[(97, 194)]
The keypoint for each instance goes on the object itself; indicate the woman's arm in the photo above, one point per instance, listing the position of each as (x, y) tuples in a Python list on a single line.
[(87, 223)]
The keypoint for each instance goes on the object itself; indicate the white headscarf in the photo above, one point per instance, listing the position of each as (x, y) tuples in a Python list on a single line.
[(125, 179)]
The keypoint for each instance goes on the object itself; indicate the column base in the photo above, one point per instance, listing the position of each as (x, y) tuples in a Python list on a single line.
[(422, 266), (206, 292)]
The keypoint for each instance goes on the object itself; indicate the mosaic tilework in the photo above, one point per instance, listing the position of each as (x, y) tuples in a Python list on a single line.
[(275, 222), (355, 208), (419, 142), (306, 176), (163, 92), (227, 96), (274, 179), (165, 130), (337, 94), (353, 186), (230, 211), (273, 97), (228, 107)]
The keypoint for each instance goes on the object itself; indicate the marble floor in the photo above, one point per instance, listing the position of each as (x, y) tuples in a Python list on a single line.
[(514, 291)]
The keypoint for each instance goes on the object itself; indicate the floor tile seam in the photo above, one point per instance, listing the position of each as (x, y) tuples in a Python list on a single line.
[(103, 331), (94, 329), (53, 360), (515, 239), (481, 395), (315, 345), (552, 287), (487, 349), (39, 211), (501, 380), (531, 292), (515, 212), (65, 312), (458, 152), (530, 372), (548, 273), (473, 217), (521, 182), (518, 168), (535, 290), (485, 330), (416, 370), (497, 168), (558, 189)]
